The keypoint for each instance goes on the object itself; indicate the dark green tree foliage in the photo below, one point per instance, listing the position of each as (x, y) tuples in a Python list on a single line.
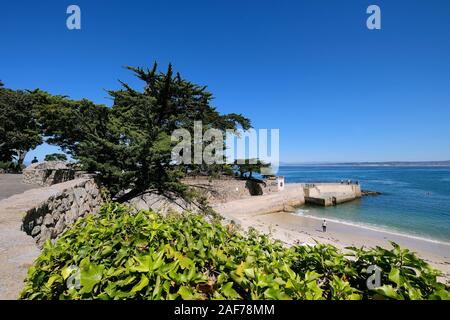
[(68, 123), (129, 144), (55, 157), (250, 166), (18, 128)]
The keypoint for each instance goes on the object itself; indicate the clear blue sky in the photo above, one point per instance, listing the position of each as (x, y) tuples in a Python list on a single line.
[(336, 90)]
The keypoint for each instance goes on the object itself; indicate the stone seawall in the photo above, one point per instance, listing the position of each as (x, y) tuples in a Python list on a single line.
[(52, 217), (287, 200), (228, 188), (329, 194), (217, 191)]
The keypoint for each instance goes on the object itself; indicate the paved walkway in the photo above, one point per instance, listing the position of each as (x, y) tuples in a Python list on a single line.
[(284, 200), (17, 249), (11, 184)]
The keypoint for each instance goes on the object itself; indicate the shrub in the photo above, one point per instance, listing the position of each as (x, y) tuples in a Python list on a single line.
[(10, 167), (5, 165), (116, 255)]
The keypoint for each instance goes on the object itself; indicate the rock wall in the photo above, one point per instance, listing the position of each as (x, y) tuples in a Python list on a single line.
[(317, 189), (286, 200), (48, 173), (328, 194), (52, 217), (228, 188), (216, 191)]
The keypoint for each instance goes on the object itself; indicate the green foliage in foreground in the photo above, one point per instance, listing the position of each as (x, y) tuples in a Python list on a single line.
[(145, 256)]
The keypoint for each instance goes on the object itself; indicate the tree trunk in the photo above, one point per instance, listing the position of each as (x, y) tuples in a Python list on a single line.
[(21, 157), (129, 195)]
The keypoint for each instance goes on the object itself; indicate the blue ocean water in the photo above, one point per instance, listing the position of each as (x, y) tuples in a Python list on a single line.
[(415, 200)]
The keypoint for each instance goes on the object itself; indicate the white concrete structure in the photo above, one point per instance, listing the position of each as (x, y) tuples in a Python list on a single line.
[(327, 194), (274, 183)]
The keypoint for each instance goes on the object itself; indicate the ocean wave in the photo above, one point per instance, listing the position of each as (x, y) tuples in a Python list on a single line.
[(388, 182), (300, 212)]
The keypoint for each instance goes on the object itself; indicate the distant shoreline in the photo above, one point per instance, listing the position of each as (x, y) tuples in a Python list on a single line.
[(370, 164)]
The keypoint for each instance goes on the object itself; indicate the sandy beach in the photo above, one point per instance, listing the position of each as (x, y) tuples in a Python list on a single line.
[(265, 213)]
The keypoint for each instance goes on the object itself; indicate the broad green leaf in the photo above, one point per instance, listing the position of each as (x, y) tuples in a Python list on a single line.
[(141, 285), (441, 294), (394, 276), (67, 271), (229, 292), (144, 263), (53, 279), (276, 294), (186, 293), (157, 290), (90, 274), (388, 291)]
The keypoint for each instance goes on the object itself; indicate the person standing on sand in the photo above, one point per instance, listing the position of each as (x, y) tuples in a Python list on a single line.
[(324, 225)]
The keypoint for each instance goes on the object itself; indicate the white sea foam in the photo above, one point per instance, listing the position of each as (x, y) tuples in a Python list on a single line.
[(389, 182), (300, 212)]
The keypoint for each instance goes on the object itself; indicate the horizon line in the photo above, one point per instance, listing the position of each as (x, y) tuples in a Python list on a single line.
[(366, 162)]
